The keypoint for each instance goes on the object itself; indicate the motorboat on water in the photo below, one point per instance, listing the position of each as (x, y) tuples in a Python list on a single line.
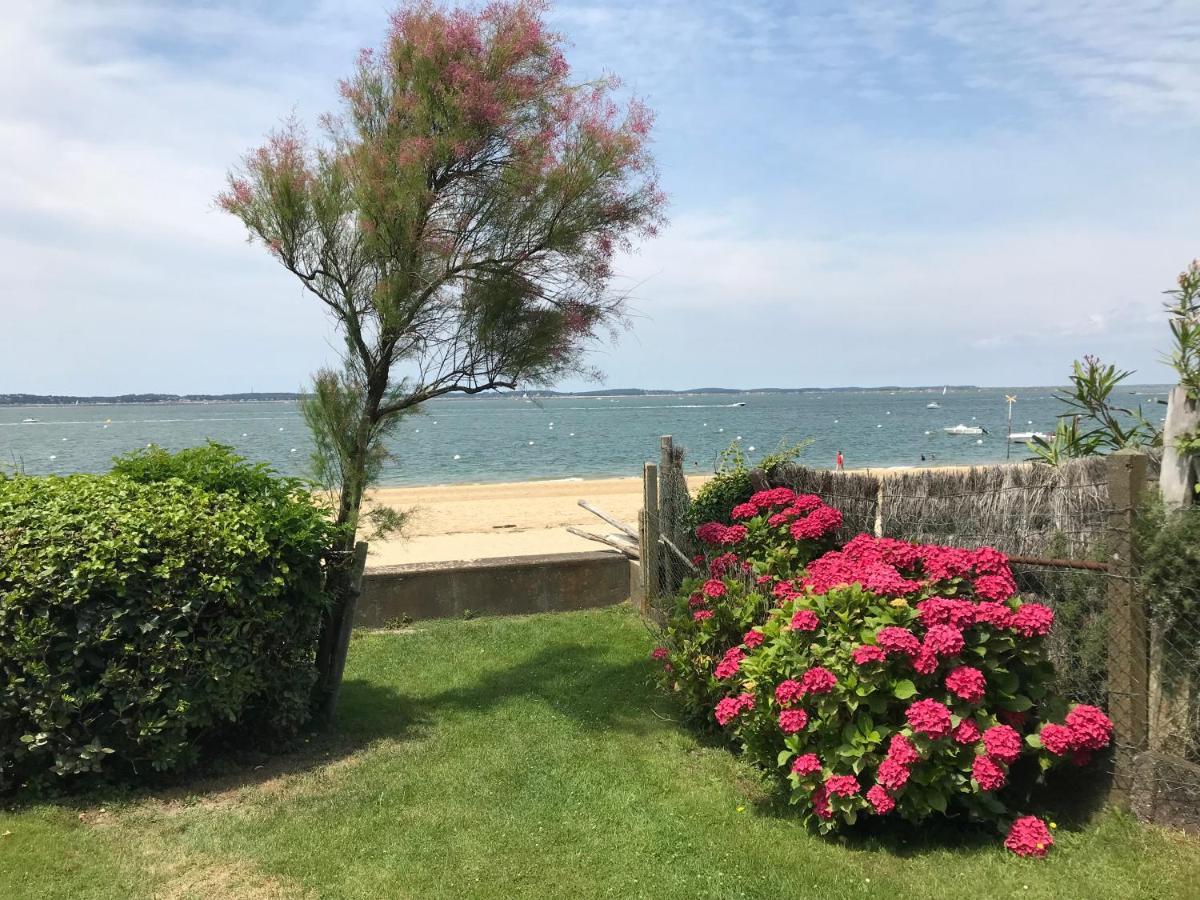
[(28, 421), (963, 429), (933, 405), (1024, 437)]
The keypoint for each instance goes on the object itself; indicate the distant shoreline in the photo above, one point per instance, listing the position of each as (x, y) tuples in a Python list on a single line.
[(34, 401)]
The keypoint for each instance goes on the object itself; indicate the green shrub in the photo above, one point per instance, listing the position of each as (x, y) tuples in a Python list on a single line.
[(141, 621), (733, 482), (214, 467)]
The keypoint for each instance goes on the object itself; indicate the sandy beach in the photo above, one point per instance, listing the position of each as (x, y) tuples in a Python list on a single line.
[(479, 521)]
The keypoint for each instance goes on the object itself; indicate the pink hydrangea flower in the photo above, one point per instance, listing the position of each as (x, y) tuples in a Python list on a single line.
[(1058, 739), (1090, 728), (966, 733), (946, 611), (1003, 743), (660, 653), (788, 692), (722, 564), (880, 800), (925, 662), (817, 680), (714, 587), (892, 774), (730, 663), (1032, 620), (998, 615), (779, 496), (930, 718), (895, 639), (902, 751), (868, 653), (944, 640), (995, 587), (744, 511), (820, 802), (989, 773), (730, 708), (701, 614), (842, 785), (784, 590), (967, 683), (792, 720), (804, 620), (753, 638), (817, 524), (807, 764), (1029, 836)]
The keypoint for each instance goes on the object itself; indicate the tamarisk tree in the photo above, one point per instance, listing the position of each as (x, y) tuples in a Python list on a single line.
[(458, 218)]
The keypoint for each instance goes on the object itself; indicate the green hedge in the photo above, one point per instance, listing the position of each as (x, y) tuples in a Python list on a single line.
[(142, 617)]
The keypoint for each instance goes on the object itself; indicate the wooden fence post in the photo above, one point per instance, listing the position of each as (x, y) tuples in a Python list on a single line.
[(650, 532), (666, 492), (1128, 668)]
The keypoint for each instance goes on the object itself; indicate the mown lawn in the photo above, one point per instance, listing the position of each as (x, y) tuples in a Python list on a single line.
[(526, 757)]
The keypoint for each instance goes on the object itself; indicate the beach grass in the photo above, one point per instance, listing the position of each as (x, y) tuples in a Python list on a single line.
[(526, 757)]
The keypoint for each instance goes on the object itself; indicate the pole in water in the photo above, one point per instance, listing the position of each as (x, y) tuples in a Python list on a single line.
[(1010, 399)]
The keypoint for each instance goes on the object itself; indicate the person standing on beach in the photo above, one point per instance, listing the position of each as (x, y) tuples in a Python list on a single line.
[(840, 462)]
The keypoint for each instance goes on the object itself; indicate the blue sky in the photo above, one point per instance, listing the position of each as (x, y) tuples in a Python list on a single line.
[(968, 191)]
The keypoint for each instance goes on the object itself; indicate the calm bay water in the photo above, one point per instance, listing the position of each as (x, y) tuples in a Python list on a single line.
[(509, 439)]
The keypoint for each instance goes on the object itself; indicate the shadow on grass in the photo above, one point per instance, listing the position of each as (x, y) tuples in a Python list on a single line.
[(574, 680), (243, 760)]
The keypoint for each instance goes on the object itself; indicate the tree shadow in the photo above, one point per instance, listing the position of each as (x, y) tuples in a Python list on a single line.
[(244, 759), (580, 682)]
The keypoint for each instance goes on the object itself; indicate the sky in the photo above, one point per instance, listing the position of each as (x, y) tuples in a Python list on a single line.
[(861, 193)]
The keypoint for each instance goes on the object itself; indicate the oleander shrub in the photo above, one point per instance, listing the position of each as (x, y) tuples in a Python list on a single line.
[(143, 621), (882, 679)]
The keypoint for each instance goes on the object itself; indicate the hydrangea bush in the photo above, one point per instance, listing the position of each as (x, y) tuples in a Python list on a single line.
[(882, 678)]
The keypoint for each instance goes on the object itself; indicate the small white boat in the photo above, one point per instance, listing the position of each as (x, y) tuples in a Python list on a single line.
[(28, 421), (963, 429), (933, 405), (1024, 437)]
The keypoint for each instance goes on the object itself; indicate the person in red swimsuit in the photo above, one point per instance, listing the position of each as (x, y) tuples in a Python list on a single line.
[(840, 462)]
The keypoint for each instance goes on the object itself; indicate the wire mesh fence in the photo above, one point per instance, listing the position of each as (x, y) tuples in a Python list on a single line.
[(1122, 577)]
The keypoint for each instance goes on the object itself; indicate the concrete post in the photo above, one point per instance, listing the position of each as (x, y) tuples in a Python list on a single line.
[(1128, 670)]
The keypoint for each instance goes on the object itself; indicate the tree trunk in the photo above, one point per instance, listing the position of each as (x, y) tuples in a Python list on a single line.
[(342, 581)]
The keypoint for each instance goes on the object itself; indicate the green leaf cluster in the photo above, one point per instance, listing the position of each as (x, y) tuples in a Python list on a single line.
[(150, 612)]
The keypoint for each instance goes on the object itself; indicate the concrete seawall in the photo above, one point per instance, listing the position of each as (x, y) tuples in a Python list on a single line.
[(507, 585)]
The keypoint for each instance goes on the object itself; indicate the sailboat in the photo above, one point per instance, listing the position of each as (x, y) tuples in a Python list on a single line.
[(934, 404)]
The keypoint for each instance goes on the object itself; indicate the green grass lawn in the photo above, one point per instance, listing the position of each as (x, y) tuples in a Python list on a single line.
[(526, 757)]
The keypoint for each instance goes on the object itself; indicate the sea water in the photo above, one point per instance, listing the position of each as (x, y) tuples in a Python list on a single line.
[(512, 439)]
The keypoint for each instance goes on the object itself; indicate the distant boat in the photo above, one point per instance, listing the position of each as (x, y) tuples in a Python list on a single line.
[(28, 421), (943, 391), (737, 404), (933, 405), (1024, 437), (963, 429)]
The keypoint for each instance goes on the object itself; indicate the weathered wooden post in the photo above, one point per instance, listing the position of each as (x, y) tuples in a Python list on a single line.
[(650, 531), (666, 489), (1128, 670)]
